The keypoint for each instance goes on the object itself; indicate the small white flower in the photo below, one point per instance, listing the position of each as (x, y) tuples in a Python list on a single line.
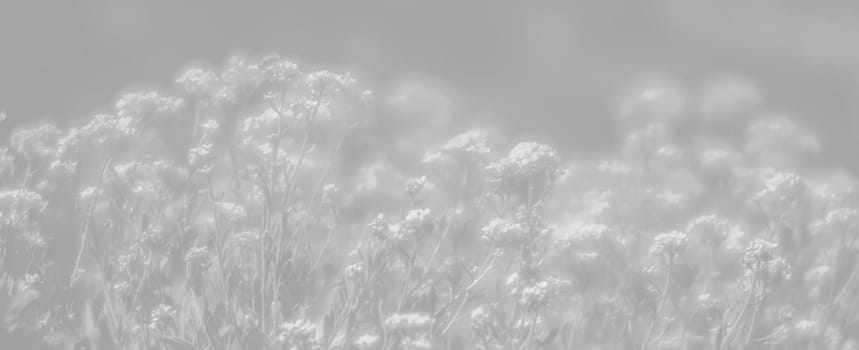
[(669, 243), (470, 143), (366, 342)]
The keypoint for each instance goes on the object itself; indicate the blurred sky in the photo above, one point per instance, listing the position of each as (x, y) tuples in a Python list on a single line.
[(540, 66)]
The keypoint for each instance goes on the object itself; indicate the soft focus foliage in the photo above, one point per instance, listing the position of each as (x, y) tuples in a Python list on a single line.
[(244, 209)]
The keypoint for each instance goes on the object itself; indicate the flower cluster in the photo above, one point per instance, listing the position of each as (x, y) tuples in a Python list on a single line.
[(258, 205)]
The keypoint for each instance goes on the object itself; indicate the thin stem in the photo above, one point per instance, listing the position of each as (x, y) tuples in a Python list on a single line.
[(87, 220), (661, 303)]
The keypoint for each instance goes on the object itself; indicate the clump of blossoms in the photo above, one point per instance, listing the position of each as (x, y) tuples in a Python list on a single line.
[(709, 228), (527, 160), (220, 213), (408, 323), (503, 233), (298, 335), (416, 223), (471, 144), (162, 317), (141, 104), (783, 196), (669, 244), (366, 342)]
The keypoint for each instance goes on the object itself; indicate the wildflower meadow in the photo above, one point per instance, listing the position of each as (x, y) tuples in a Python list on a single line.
[(262, 204)]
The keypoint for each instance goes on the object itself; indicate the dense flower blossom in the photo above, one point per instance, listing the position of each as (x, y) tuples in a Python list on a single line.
[(327, 82), (528, 159), (669, 243), (416, 222), (298, 335), (106, 130), (366, 342), (408, 322), (197, 256), (36, 142), (137, 104), (501, 232), (162, 316), (760, 258), (710, 228), (415, 185), (20, 200), (201, 157), (256, 197), (198, 81), (278, 70), (468, 144)]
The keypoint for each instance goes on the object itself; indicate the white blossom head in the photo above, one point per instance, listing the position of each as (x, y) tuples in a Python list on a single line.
[(471, 144), (527, 160), (198, 81), (409, 322), (669, 244), (298, 334)]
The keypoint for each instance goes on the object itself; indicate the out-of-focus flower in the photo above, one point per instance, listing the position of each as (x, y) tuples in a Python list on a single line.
[(469, 145), (162, 317), (503, 232), (525, 161), (415, 185), (710, 228), (331, 193), (484, 319), (783, 196), (327, 82), (408, 322), (240, 74), (210, 126), (7, 161), (278, 70), (231, 212), (198, 81), (366, 342), (298, 335), (417, 221), (20, 200), (760, 259), (435, 158), (201, 157), (535, 295), (833, 190), (107, 130), (247, 239), (379, 226), (197, 257), (839, 221), (139, 104), (37, 142), (417, 343), (759, 251), (669, 244)]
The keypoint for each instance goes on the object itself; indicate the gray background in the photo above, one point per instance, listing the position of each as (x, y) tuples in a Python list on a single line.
[(546, 67)]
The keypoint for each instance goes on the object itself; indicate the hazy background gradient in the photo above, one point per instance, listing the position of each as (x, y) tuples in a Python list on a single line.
[(546, 67)]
